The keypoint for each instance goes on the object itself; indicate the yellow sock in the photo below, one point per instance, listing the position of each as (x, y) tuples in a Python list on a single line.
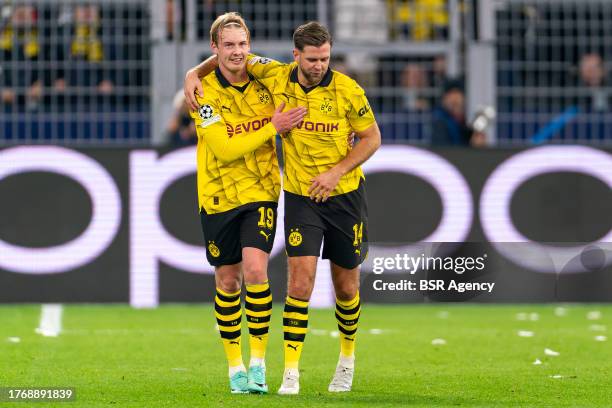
[(295, 325), (258, 306), (229, 315), (347, 315)]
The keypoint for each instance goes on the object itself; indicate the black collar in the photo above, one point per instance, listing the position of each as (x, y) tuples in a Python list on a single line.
[(225, 83), (293, 77)]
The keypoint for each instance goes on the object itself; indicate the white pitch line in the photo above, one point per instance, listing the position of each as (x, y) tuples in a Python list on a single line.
[(50, 320)]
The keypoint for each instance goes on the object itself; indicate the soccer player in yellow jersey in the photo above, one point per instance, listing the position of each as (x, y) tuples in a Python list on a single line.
[(238, 188), (325, 201)]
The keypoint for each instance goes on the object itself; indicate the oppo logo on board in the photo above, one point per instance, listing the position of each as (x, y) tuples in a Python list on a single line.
[(151, 175)]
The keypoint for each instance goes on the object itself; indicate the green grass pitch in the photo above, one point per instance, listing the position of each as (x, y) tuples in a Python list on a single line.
[(172, 356)]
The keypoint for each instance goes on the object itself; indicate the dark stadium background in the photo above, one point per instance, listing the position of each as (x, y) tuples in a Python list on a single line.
[(104, 78)]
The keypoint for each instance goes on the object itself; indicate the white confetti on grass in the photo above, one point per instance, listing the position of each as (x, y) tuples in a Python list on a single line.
[(443, 314), (594, 315), (525, 333), (319, 332), (438, 342), (597, 327), (537, 362), (13, 339), (556, 376), (528, 316), (601, 338), (560, 311), (334, 334), (375, 331), (551, 353)]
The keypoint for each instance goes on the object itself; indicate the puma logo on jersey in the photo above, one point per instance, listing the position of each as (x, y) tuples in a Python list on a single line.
[(293, 347), (265, 235)]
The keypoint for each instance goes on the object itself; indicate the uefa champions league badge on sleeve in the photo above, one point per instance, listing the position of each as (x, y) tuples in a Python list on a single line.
[(261, 60), (208, 116)]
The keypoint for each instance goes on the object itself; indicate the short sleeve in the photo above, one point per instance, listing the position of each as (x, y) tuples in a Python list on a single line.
[(208, 116), (360, 115)]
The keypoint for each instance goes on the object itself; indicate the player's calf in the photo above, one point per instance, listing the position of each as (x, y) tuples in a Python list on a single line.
[(258, 305), (347, 316)]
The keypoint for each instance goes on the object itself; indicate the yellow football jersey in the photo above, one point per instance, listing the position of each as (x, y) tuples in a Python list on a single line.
[(336, 107), (236, 152)]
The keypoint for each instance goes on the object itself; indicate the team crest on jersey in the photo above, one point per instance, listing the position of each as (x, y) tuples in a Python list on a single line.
[(263, 96), (207, 114), (326, 106), (213, 249), (295, 237)]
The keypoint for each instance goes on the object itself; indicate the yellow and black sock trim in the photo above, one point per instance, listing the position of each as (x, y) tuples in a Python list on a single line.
[(295, 326), (295, 319), (228, 313), (347, 317), (258, 305)]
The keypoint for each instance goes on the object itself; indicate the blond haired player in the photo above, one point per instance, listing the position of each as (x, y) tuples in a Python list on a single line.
[(238, 188)]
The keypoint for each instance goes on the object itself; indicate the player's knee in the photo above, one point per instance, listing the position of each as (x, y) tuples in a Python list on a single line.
[(228, 284), (300, 292), (254, 272), (301, 288), (347, 290)]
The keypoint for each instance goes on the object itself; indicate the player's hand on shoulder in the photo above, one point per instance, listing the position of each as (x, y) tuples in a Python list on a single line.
[(285, 121), (191, 88), (324, 184)]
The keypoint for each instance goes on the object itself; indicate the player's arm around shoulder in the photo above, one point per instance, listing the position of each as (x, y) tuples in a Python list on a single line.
[(264, 68), (192, 86)]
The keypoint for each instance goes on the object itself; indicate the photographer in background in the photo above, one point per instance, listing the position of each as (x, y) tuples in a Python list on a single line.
[(449, 126)]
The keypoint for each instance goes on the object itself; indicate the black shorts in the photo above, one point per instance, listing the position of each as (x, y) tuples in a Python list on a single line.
[(250, 225), (341, 223)]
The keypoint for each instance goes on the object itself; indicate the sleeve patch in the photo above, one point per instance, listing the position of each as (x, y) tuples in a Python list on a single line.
[(261, 60), (365, 109), (210, 121), (206, 112)]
